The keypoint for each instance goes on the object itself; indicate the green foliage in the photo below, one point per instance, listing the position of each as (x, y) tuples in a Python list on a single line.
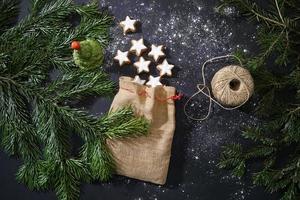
[(276, 143), (77, 85), (101, 165), (10, 10), (37, 120), (123, 123)]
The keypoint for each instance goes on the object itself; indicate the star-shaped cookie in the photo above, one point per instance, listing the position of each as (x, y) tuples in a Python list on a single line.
[(156, 52), (122, 57), (138, 47), (128, 25), (165, 68), (154, 81), (138, 80), (142, 65)]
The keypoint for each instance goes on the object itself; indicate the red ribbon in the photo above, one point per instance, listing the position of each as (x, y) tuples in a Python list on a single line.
[(145, 94), (177, 97)]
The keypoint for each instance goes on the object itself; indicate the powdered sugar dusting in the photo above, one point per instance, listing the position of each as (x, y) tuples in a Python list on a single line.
[(193, 31)]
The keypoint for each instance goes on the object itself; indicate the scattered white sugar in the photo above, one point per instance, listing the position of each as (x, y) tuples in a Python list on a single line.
[(193, 32)]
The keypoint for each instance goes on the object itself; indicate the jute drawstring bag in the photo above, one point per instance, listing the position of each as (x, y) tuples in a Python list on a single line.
[(145, 158)]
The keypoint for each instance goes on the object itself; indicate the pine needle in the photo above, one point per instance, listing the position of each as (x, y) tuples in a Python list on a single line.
[(37, 120), (276, 73)]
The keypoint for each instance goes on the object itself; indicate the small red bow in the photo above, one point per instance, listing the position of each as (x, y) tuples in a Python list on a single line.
[(177, 97)]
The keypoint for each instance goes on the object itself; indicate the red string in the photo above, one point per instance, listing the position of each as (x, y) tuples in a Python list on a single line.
[(145, 94), (177, 97)]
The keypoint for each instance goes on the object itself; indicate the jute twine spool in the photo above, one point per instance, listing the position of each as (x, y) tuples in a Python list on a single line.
[(231, 86)]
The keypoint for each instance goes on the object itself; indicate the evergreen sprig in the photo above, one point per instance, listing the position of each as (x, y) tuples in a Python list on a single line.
[(37, 117), (276, 71), (10, 10)]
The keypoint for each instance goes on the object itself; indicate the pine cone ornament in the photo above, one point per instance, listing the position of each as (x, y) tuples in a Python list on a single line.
[(88, 54)]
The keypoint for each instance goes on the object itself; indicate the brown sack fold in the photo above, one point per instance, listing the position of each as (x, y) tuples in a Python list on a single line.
[(145, 158)]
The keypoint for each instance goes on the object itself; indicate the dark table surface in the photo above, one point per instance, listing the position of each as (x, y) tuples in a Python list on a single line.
[(193, 31)]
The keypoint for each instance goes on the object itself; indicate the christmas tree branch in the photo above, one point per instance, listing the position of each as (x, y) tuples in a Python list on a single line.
[(16, 119), (252, 10), (10, 11), (90, 83), (63, 176), (99, 160), (29, 173), (123, 123), (36, 119), (131, 128), (276, 74)]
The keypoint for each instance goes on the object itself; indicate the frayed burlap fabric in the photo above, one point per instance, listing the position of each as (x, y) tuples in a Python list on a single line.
[(145, 158)]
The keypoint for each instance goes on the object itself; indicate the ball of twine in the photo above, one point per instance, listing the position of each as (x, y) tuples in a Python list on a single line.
[(232, 85)]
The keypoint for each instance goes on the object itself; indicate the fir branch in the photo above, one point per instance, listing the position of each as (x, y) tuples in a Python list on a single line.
[(123, 123), (253, 11), (64, 176), (43, 20), (277, 180), (29, 173), (232, 157), (90, 83), (18, 134), (23, 143), (257, 135), (10, 11), (292, 126), (278, 37), (134, 127), (99, 160), (36, 119), (91, 10), (50, 129), (79, 121), (92, 27)]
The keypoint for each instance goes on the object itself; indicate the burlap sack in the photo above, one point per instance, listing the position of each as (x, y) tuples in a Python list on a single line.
[(145, 158)]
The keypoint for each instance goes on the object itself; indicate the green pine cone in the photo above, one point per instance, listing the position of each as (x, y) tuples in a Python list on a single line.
[(90, 55)]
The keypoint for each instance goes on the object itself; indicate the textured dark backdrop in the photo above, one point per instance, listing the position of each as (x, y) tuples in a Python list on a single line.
[(193, 31)]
